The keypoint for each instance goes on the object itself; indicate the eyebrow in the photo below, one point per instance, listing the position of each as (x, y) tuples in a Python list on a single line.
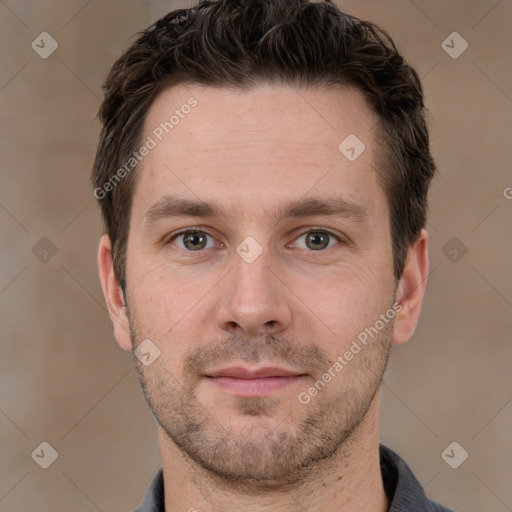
[(170, 206)]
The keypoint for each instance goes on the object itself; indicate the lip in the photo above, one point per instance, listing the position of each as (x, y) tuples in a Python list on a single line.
[(240, 372), (245, 382)]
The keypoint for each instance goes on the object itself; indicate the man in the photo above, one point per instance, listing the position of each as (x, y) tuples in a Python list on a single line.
[(263, 172)]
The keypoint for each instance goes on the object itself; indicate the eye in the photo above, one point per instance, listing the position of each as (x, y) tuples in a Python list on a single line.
[(192, 240), (317, 240)]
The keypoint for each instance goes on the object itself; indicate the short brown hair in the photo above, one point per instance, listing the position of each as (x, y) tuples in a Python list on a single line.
[(243, 43)]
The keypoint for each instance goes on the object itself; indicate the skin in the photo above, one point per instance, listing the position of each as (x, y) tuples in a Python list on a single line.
[(250, 153)]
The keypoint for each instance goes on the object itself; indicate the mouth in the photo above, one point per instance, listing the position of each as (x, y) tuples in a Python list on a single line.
[(246, 382)]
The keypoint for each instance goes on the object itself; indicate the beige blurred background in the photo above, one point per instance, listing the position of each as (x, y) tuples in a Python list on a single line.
[(63, 379)]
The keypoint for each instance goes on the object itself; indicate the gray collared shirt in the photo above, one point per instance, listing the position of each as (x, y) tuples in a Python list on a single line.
[(403, 489)]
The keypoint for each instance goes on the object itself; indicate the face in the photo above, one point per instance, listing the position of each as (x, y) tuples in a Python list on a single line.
[(258, 254)]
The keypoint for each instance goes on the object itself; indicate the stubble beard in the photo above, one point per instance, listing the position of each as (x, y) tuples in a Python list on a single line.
[(262, 453)]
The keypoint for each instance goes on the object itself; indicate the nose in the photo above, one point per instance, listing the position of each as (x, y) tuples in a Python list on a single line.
[(254, 298)]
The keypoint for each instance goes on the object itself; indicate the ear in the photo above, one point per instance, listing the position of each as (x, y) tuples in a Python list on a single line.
[(411, 289), (113, 294)]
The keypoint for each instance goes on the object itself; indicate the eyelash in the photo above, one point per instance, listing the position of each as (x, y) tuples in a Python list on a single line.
[(193, 230)]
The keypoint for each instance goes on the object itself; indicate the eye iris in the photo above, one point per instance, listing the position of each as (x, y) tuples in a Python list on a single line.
[(317, 241), (194, 241)]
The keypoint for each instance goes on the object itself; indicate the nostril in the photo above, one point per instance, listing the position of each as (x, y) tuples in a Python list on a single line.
[(271, 323)]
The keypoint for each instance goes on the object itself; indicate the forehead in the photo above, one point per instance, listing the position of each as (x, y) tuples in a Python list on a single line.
[(262, 111), (257, 145)]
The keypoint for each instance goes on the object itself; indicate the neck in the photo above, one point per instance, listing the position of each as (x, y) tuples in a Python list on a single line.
[(349, 481)]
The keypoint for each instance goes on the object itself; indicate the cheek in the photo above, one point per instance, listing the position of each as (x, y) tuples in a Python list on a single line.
[(169, 307), (349, 299), (342, 309), (164, 293), (156, 305)]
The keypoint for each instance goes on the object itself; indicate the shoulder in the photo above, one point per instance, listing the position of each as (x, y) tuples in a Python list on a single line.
[(404, 491), (154, 497), (436, 507)]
